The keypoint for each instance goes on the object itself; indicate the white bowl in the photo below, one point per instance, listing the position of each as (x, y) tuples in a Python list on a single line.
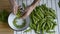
[(10, 22)]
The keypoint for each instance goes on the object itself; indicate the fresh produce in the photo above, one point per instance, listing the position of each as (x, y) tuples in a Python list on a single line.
[(59, 3), (42, 19), (4, 15)]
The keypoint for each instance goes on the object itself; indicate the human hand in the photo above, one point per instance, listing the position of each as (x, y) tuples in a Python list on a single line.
[(27, 11)]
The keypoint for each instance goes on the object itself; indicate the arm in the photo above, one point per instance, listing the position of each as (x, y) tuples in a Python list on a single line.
[(29, 9), (14, 6)]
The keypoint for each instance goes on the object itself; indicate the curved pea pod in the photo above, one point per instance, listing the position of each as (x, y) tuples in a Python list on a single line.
[(37, 14), (41, 13), (31, 23), (52, 11), (44, 7), (51, 14), (41, 22), (38, 28), (42, 30), (28, 30), (50, 31), (42, 10), (50, 18), (43, 25), (46, 28), (38, 11), (35, 19), (54, 24), (48, 24), (51, 25), (32, 26)]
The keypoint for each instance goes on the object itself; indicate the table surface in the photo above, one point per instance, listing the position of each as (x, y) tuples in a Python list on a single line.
[(50, 3), (5, 29)]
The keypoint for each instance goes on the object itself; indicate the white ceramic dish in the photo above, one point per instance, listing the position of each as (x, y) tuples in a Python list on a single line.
[(10, 22)]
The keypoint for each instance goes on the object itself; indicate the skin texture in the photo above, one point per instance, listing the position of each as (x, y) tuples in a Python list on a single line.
[(28, 9)]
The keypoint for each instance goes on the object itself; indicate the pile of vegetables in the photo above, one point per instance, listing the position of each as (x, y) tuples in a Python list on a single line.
[(59, 3), (4, 15), (42, 19)]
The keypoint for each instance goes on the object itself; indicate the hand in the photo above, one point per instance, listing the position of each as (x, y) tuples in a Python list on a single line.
[(14, 6), (27, 11), (15, 9)]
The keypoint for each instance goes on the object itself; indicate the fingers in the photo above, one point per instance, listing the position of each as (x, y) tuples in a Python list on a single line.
[(14, 6), (15, 9)]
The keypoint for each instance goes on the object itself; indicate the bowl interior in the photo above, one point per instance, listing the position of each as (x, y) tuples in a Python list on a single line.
[(10, 22)]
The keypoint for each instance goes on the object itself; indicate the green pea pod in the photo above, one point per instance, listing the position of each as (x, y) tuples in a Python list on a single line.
[(31, 23), (51, 24), (37, 14), (52, 11), (41, 22), (34, 27), (51, 14), (40, 13), (50, 31), (28, 30), (42, 30), (43, 25), (38, 28), (54, 24), (46, 28), (41, 10), (48, 23), (35, 19)]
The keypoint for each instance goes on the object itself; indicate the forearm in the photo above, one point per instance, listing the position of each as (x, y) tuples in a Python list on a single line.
[(14, 6), (33, 5), (12, 2), (30, 8)]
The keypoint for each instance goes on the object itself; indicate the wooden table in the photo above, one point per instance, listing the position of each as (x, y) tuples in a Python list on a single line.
[(4, 27)]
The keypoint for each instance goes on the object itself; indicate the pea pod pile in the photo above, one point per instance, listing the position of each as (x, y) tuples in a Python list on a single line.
[(42, 19)]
